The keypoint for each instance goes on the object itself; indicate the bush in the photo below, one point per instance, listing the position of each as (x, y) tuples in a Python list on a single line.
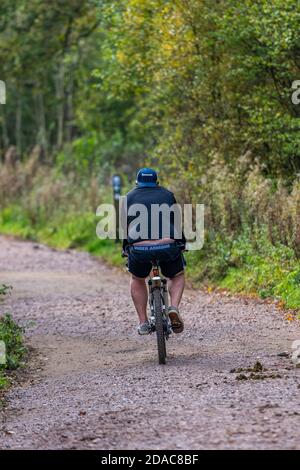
[(12, 336)]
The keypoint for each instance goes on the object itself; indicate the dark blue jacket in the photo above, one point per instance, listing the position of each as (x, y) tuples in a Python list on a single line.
[(148, 196)]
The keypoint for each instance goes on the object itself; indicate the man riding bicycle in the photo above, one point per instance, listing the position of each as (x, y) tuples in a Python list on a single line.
[(142, 247)]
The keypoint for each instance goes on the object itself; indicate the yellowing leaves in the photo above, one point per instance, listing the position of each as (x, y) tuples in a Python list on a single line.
[(167, 47), (121, 57)]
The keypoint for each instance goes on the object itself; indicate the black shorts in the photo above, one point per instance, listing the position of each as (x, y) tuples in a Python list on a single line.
[(169, 256)]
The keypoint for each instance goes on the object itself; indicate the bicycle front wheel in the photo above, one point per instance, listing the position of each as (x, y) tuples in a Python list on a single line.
[(159, 327)]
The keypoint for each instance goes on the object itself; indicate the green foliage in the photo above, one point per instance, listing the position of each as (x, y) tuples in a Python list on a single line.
[(248, 264), (182, 80), (199, 88), (208, 77), (4, 289), (245, 263), (289, 289), (76, 230), (12, 335), (4, 382)]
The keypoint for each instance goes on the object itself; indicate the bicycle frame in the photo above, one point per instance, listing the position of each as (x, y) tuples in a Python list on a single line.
[(157, 281)]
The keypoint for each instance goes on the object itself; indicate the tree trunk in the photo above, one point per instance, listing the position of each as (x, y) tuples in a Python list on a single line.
[(60, 95), (69, 110), (42, 131), (19, 125), (5, 139)]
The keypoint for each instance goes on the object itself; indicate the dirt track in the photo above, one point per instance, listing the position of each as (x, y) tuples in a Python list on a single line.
[(93, 383)]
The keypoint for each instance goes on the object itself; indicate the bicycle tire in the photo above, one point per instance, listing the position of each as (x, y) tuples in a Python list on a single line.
[(159, 327)]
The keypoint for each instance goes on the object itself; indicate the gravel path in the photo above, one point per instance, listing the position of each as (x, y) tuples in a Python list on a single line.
[(93, 383)]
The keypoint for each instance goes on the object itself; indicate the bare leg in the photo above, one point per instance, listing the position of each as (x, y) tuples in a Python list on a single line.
[(176, 287), (139, 294)]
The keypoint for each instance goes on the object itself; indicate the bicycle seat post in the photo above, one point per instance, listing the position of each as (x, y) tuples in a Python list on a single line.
[(155, 277)]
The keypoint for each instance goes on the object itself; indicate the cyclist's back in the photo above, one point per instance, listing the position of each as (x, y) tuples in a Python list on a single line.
[(143, 248)]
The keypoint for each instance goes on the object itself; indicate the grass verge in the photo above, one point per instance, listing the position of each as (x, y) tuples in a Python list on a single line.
[(250, 265)]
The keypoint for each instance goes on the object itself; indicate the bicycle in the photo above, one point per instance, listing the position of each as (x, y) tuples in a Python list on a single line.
[(159, 302)]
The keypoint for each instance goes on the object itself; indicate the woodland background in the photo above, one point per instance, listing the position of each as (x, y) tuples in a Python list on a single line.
[(200, 89)]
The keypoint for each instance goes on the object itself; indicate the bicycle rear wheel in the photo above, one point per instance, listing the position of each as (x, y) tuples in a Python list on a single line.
[(159, 326)]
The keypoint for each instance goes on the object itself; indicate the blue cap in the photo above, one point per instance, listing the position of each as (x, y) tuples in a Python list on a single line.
[(146, 178)]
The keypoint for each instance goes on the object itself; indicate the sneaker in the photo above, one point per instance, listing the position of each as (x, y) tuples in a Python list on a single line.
[(176, 320), (144, 328)]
